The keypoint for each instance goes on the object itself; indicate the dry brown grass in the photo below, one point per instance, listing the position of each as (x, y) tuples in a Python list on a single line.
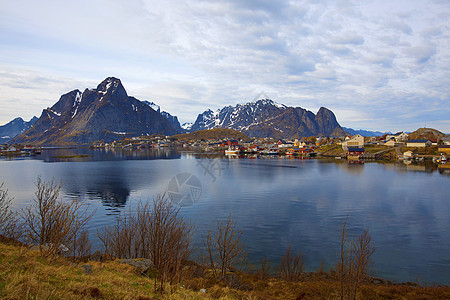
[(24, 274)]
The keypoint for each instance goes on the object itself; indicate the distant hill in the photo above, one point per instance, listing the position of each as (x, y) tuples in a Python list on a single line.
[(266, 118), (426, 133), (103, 114), (216, 134), (14, 128), (363, 132)]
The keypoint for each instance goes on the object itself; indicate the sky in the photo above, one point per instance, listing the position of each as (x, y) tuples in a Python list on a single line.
[(378, 65)]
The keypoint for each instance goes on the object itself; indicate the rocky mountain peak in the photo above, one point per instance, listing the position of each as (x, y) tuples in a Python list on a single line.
[(267, 118), (105, 113), (111, 87)]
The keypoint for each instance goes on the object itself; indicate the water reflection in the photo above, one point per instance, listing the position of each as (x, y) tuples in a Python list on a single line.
[(277, 202), (105, 154)]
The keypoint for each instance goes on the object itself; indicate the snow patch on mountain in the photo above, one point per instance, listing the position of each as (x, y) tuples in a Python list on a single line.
[(187, 126)]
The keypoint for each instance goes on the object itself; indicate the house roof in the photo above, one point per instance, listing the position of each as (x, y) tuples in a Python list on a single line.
[(417, 141), (355, 149)]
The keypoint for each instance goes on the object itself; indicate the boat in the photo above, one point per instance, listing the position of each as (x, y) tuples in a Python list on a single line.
[(442, 159), (231, 151)]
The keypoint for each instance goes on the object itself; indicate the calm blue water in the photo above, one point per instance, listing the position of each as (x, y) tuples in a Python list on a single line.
[(277, 202)]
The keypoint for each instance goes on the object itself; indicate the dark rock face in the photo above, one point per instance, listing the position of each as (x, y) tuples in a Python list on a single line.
[(14, 128), (105, 114), (265, 118), (173, 121)]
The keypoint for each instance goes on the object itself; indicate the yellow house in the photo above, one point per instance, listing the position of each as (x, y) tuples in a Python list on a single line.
[(357, 141), (444, 149)]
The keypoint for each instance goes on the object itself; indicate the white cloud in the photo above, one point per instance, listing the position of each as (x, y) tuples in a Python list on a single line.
[(195, 54)]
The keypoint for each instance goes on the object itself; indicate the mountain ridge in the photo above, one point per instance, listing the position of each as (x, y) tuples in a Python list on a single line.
[(266, 118), (15, 127), (102, 114)]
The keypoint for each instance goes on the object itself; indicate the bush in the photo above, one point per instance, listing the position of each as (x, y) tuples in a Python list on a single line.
[(8, 218), (224, 247), (50, 223), (354, 263), (155, 231), (291, 266)]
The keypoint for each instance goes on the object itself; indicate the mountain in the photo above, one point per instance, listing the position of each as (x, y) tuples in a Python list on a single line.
[(14, 128), (266, 118), (103, 114), (363, 132), (425, 133), (173, 120)]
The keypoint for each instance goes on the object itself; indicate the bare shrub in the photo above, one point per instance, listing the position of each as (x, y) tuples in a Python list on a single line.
[(224, 247), (51, 223), (81, 246), (264, 270), (353, 267), (291, 266), (156, 231), (8, 218)]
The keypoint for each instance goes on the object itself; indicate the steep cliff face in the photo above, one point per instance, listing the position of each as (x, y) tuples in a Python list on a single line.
[(105, 113), (265, 118)]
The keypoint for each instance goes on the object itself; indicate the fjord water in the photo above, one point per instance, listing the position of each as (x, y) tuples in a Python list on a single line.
[(277, 202)]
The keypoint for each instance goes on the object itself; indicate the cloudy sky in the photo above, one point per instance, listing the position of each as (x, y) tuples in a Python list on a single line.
[(379, 65)]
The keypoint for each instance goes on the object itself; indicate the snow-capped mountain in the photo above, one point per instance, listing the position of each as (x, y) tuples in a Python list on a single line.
[(266, 118), (15, 127), (105, 113), (187, 126)]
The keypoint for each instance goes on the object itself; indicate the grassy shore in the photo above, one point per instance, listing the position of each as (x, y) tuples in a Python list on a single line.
[(24, 274)]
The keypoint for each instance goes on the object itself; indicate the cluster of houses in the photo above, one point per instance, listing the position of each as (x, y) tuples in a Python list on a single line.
[(18, 150), (266, 146), (355, 145)]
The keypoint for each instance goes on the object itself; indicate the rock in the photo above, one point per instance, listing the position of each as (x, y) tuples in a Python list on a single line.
[(142, 264), (87, 269)]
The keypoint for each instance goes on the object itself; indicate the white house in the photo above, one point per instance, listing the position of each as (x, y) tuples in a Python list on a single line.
[(446, 140), (418, 143), (399, 137), (356, 141), (390, 143)]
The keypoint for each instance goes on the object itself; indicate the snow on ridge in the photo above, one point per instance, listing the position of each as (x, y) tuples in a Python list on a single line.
[(77, 98), (117, 132), (55, 112), (153, 105), (187, 126), (75, 112)]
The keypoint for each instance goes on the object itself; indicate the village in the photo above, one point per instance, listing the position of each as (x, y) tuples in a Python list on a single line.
[(356, 149)]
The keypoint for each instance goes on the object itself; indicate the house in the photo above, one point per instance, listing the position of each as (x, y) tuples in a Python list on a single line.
[(434, 141), (418, 143), (390, 143), (355, 141), (444, 149), (355, 152), (446, 140), (398, 137), (230, 143), (408, 155)]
